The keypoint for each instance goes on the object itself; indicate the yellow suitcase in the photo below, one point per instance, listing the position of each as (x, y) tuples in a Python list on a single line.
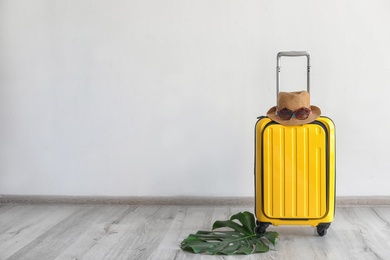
[(294, 173)]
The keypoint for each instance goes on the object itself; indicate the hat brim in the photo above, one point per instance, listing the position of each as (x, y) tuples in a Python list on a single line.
[(315, 113)]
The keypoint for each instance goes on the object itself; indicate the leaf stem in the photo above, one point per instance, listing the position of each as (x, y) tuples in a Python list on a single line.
[(242, 238)]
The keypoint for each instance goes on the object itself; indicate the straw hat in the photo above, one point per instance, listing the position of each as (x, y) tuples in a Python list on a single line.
[(294, 101)]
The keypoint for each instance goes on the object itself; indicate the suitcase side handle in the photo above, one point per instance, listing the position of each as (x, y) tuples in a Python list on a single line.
[(291, 54)]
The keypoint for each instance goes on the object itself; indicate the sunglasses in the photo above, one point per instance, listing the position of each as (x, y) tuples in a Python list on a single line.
[(300, 114)]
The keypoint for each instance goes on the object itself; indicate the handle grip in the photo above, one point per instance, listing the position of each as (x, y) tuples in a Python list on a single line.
[(291, 54)]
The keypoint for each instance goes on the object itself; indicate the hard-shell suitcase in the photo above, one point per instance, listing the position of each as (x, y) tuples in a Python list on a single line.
[(294, 170)]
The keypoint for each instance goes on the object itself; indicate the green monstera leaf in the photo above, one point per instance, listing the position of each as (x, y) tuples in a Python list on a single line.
[(240, 240)]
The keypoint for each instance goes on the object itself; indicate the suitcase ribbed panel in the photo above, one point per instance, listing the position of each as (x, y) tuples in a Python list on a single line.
[(294, 172)]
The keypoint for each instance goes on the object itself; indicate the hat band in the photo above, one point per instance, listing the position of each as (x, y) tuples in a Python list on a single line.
[(300, 114)]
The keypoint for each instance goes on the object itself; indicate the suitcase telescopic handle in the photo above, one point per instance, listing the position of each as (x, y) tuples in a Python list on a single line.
[(291, 54)]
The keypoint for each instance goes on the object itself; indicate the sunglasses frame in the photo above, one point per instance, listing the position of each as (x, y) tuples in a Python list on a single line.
[(292, 114)]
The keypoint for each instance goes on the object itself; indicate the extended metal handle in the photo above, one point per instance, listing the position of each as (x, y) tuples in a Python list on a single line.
[(291, 54)]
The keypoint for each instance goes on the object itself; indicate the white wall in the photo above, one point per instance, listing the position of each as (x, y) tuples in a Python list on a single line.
[(161, 97)]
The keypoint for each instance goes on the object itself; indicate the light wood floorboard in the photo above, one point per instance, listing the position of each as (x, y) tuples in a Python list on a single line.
[(155, 232)]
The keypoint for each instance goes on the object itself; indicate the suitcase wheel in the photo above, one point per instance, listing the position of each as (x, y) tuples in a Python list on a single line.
[(322, 229), (261, 227)]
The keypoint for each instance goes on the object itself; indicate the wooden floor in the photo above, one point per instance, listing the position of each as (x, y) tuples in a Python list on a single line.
[(155, 232)]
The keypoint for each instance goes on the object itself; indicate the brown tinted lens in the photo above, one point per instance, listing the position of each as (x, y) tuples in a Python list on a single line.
[(285, 114), (302, 113)]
